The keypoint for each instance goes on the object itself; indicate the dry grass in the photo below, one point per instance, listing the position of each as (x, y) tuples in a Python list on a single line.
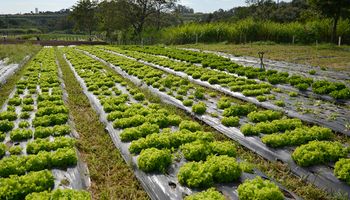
[(111, 177), (329, 56), (16, 52)]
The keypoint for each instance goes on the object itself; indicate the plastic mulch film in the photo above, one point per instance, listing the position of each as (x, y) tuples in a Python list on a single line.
[(74, 177), (321, 176), (160, 186), (7, 71)]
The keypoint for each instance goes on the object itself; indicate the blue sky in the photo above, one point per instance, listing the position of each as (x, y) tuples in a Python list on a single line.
[(25, 6)]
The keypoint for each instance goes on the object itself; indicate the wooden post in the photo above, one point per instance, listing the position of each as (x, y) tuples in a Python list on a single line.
[(293, 39), (196, 38), (339, 41)]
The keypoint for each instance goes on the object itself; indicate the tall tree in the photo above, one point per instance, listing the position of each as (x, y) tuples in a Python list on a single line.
[(333, 9), (110, 17), (84, 15), (139, 12)]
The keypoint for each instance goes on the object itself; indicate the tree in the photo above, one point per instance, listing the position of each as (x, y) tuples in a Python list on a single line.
[(84, 15), (139, 12), (110, 17), (333, 9)]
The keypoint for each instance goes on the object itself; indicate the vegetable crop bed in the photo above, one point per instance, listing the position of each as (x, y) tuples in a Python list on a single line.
[(274, 135), (37, 149), (6, 70), (171, 156), (335, 116)]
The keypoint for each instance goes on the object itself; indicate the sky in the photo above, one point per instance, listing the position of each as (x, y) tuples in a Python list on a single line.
[(25, 6)]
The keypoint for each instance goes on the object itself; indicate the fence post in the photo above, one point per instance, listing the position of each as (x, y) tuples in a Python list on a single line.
[(339, 41), (293, 39)]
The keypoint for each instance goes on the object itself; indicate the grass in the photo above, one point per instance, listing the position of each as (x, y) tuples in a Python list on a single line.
[(324, 55), (277, 170), (111, 177), (16, 52)]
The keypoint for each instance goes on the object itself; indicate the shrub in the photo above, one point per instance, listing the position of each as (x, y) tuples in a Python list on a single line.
[(258, 188), (230, 121), (154, 160)]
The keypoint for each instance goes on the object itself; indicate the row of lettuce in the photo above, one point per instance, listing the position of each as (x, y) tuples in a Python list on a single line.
[(33, 130), (314, 145), (337, 90), (157, 136)]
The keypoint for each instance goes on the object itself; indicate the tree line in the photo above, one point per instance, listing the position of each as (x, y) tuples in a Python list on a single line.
[(134, 20)]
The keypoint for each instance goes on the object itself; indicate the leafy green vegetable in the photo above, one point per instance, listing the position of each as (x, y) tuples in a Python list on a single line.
[(319, 152), (154, 160), (210, 194), (258, 188)]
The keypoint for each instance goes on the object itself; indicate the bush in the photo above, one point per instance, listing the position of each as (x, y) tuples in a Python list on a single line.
[(258, 188), (210, 194), (230, 121), (154, 160)]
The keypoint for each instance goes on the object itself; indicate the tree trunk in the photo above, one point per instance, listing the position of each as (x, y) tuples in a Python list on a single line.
[(334, 29)]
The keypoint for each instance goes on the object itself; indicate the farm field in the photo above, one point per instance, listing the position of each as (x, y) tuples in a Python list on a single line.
[(154, 122), (323, 55)]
